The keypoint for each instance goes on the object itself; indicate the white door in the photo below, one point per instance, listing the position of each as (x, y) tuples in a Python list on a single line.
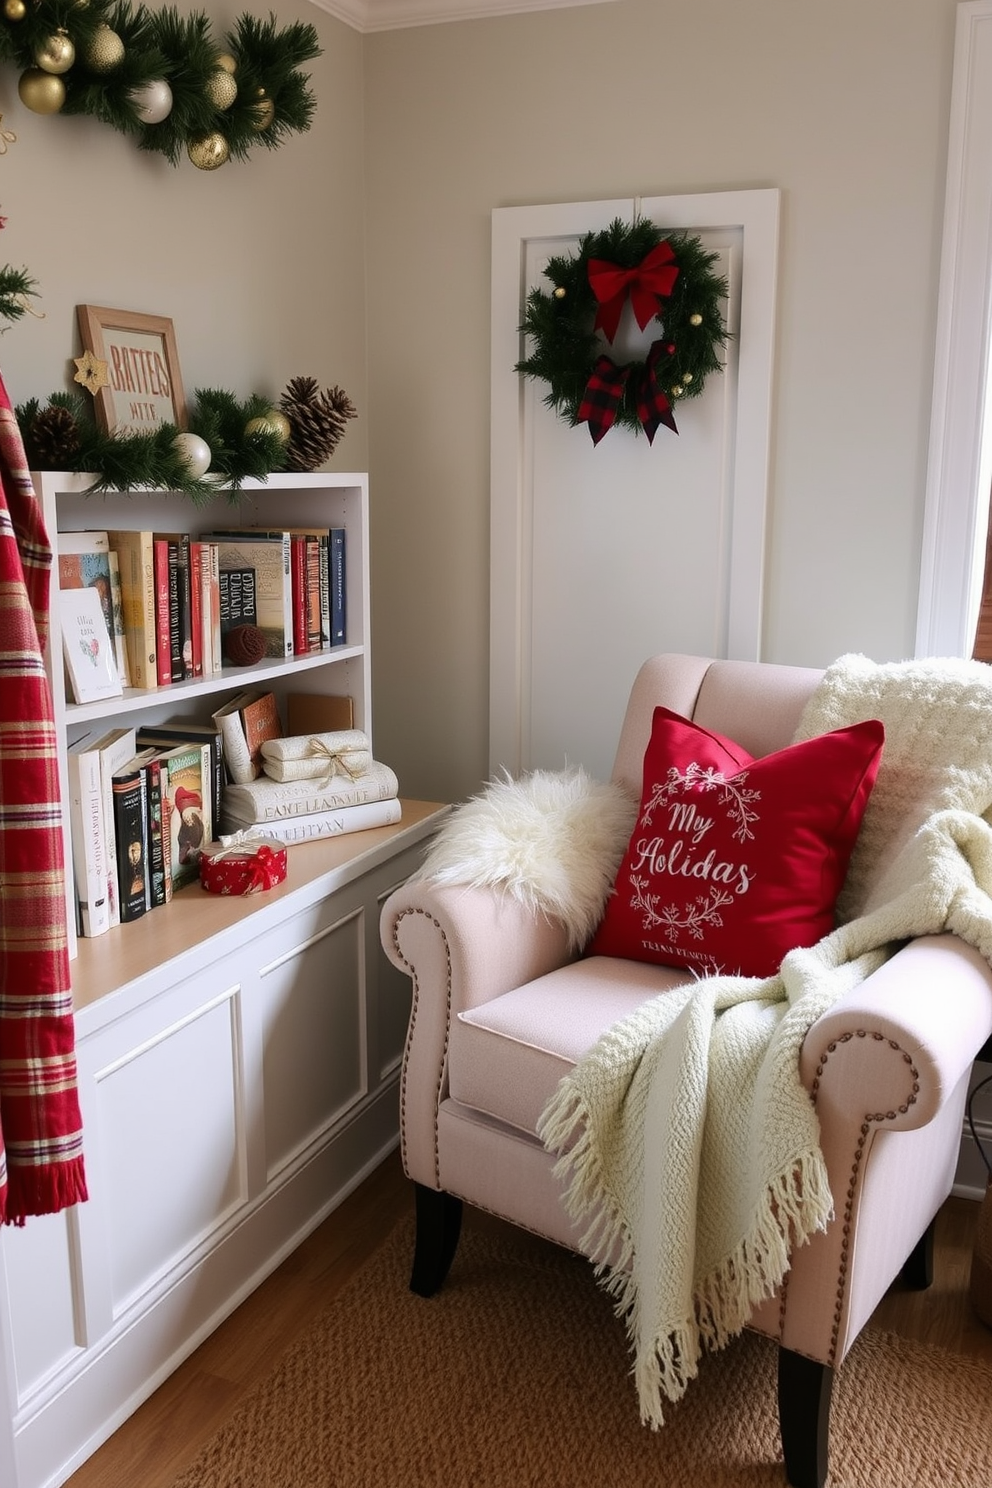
[(604, 554)]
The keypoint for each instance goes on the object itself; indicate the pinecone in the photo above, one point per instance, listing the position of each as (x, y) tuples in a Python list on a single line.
[(318, 422), (54, 439)]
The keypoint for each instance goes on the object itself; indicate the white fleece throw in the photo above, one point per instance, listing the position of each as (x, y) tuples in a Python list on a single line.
[(687, 1138)]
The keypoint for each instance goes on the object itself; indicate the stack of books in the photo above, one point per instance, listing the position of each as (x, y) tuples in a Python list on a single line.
[(142, 804), (170, 598), (305, 810)]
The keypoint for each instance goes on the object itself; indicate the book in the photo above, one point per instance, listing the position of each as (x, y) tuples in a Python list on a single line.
[(157, 889), (86, 561), (187, 791), (196, 636), (271, 558), (270, 801), (301, 595), (90, 663), (180, 635), (238, 762), (131, 826), (236, 593), (114, 749), (135, 560), (89, 860), (315, 633), (333, 823), (163, 640), (260, 721), (338, 587), (168, 735)]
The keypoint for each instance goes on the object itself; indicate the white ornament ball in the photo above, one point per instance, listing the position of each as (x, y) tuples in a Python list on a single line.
[(152, 101), (195, 451)]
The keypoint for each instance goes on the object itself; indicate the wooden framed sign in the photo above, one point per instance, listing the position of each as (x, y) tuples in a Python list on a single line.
[(131, 366)]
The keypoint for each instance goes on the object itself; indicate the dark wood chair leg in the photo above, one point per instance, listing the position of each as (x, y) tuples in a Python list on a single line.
[(804, 1387), (439, 1224), (917, 1272)]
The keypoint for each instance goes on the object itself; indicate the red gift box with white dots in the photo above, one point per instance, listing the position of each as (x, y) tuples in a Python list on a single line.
[(244, 868)]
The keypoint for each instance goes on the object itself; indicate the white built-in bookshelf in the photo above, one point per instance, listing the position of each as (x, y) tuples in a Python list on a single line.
[(238, 1058)]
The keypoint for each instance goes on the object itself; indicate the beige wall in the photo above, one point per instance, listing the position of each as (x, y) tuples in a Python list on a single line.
[(263, 268), (260, 264), (844, 108)]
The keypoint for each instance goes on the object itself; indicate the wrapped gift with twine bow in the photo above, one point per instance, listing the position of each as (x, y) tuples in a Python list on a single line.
[(345, 752), (243, 863)]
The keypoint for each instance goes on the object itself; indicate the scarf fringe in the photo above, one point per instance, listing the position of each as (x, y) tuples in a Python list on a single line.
[(42, 1191)]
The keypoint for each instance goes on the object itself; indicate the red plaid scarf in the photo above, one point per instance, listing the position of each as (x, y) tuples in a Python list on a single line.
[(41, 1139)]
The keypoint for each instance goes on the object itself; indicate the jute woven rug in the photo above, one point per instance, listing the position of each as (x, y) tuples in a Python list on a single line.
[(516, 1375)]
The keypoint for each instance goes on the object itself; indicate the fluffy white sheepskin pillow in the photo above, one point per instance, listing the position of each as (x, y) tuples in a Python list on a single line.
[(551, 839)]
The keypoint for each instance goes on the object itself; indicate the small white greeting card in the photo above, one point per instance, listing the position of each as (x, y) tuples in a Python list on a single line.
[(86, 645)]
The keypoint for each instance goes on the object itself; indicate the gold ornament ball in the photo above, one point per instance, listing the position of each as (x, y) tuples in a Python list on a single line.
[(269, 423), (696, 319), (677, 390), (106, 50), (228, 63), (208, 151), (559, 293), (687, 376), (264, 111), (56, 53), (221, 88), (15, 10), (279, 424), (41, 92)]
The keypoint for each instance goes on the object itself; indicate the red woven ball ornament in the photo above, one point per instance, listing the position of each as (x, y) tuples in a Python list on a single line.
[(244, 645)]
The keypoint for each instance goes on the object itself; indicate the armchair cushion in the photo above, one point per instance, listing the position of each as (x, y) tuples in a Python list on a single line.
[(735, 861)]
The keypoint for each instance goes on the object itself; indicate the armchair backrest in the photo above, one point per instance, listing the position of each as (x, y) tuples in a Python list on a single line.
[(757, 704)]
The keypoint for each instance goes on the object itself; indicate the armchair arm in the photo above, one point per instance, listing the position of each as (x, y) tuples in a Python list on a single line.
[(929, 1007), (461, 947)]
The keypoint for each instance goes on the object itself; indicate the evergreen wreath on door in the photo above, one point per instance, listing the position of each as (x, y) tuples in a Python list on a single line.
[(668, 278)]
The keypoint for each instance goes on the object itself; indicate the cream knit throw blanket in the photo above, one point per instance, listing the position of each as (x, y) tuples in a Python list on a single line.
[(689, 1142)]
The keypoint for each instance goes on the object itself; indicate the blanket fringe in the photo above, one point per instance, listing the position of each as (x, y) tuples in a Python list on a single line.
[(798, 1203)]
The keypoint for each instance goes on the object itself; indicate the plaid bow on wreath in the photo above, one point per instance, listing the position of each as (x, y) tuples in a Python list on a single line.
[(605, 388)]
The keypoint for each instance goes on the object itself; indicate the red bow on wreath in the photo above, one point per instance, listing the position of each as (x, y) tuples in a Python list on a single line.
[(651, 281), (604, 390)]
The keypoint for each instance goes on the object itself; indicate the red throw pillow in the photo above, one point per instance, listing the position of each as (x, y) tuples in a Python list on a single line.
[(734, 861)]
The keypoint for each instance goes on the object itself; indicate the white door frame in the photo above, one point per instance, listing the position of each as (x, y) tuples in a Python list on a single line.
[(959, 466), (756, 215)]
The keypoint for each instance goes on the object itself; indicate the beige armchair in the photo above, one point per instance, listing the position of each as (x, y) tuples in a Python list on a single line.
[(502, 1009)]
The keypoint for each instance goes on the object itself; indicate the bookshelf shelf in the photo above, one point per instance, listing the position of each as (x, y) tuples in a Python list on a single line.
[(239, 1058)]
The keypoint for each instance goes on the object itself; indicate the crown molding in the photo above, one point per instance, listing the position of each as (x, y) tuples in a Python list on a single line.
[(391, 15)]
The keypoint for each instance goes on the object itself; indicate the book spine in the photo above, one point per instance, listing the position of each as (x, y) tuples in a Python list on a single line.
[(113, 757), (325, 591), (313, 594), (131, 825), (317, 825), (213, 606), (237, 758), (338, 587), (88, 842), (196, 608), (117, 611), (137, 573), (301, 608), (163, 644), (156, 855), (176, 618)]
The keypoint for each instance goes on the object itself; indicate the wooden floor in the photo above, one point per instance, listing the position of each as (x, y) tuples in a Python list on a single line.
[(164, 1435)]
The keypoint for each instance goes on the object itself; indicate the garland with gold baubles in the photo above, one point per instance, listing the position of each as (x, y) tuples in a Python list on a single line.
[(666, 278), (161, 78), (227, 442)]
